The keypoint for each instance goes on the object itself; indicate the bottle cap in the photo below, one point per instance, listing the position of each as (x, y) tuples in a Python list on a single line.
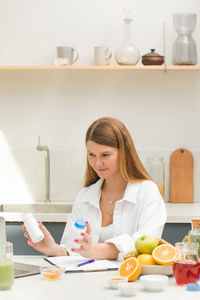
[(80, 224), (193, 287), (26, 216)]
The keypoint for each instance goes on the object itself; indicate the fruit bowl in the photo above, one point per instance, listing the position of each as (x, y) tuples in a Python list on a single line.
[(157, 269)]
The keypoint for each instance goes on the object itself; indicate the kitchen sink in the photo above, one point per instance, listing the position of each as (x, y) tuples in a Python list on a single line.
[(39, 207)]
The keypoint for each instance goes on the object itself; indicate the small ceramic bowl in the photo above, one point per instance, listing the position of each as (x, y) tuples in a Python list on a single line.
[(51, 273), (127, 289), (154, 283), (113, 282)]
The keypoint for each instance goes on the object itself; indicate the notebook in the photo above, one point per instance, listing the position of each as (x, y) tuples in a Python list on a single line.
[(70, 264)]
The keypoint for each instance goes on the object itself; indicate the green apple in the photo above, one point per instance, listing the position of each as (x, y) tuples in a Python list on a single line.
[(146, 244)]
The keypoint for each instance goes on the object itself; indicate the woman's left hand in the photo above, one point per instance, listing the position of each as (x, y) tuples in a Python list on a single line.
[(85, 244)]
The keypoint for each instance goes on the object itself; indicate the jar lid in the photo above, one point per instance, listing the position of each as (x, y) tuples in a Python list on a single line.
[(152, 53), (80, 224), (195, 223)]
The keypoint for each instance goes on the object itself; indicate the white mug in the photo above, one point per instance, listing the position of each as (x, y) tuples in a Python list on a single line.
[(102, 55), (66, 56)]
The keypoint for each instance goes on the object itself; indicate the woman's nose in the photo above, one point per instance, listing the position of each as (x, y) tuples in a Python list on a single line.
[(98, 162)]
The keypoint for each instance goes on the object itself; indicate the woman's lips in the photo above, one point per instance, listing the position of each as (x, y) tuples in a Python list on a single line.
[(102, 170)]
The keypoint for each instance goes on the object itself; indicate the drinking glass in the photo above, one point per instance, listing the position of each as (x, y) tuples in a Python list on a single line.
[(6, 268)]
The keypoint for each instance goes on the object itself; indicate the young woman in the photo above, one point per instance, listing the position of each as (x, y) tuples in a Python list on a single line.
[(119, 201)]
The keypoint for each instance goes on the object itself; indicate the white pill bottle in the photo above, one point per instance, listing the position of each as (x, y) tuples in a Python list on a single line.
[(32, 227), (75, 234)]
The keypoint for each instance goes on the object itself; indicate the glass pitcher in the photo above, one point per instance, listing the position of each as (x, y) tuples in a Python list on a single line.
[(156, 168), (186, 267), (184, 49)]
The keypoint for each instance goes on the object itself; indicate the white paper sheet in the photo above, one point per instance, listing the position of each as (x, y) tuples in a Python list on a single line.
[(69, 263)]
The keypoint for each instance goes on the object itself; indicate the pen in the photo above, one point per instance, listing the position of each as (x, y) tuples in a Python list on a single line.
[(86, 262)]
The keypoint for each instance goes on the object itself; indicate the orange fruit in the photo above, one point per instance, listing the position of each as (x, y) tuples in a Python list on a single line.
[(146, 259), (164, 254), (130, 268)]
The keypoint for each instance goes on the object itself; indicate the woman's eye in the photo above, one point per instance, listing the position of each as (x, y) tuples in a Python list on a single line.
[(105, 154), (91, 154)]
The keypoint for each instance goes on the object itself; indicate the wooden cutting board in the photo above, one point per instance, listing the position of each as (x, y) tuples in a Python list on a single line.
[(181, 176)]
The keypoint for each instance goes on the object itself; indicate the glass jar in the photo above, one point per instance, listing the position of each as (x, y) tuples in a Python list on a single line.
[(186, 267), (127, 53), (184, 49), (156, 168), (194, 235)]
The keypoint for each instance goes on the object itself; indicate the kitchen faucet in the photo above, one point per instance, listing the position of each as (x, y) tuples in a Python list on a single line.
[(47, 169)]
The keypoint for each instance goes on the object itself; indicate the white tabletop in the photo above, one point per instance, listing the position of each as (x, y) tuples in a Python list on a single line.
[(83, 286)]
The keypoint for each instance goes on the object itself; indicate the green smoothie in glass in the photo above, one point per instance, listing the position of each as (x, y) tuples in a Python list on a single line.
[(6, 274)]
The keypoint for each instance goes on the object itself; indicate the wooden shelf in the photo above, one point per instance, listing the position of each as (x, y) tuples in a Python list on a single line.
[(99, 68)]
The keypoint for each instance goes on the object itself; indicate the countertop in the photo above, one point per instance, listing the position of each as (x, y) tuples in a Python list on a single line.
[(176, 213), (83, 286)]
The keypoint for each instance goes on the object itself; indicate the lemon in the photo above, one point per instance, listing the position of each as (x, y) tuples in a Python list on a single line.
[(132, 253), (146, 259)]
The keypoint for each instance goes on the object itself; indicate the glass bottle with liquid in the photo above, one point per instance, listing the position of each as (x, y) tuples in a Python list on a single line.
[(156, 168), (194, 236), (186, 267)]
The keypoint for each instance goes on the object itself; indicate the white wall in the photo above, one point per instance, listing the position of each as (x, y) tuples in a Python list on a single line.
[(161, 110)]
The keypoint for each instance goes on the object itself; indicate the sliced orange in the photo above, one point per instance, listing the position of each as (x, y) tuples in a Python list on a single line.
[(130, 268), (164, 254)]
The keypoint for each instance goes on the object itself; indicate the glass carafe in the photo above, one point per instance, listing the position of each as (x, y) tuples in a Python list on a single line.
[(194, 235), (156, 168), (184, 49), (127, 53), (186, 267)]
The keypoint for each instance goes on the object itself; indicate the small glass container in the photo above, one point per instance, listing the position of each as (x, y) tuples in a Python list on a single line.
[(52, 272), (6, 268), (156, 168), (194, 235), (186, 267)]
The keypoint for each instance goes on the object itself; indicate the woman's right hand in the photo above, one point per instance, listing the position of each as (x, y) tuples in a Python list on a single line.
[(47, 245)]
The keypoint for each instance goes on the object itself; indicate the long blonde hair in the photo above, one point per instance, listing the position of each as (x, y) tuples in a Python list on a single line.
[(112, 132)]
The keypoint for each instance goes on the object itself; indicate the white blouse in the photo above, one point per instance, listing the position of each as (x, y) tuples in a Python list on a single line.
[(141, 211), (106, 233)]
